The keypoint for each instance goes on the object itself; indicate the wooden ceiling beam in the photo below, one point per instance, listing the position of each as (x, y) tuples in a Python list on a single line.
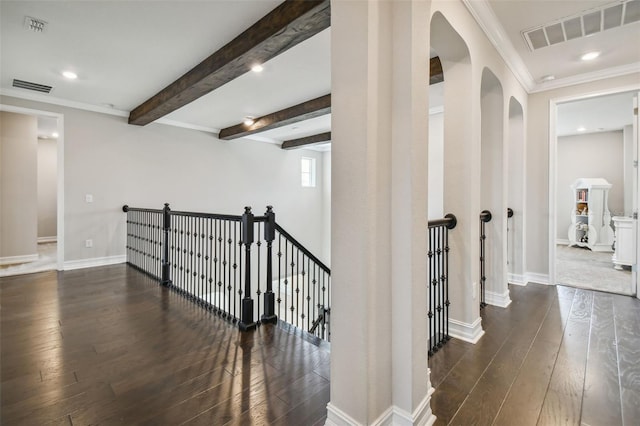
[(304, 111), (306, 141), (290, 23), (436, 75)]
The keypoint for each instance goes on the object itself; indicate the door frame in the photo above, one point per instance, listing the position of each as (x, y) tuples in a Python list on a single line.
[(60, 172), (553, 160)]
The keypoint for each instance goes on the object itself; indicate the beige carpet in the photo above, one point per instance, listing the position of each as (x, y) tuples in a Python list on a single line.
[(583, 268)]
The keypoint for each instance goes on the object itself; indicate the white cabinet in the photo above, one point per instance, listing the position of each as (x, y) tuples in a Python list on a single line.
[(590, 217), (623, 254)]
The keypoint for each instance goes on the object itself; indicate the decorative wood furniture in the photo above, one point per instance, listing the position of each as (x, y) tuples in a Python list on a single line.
[(623, 254), (590, 217)]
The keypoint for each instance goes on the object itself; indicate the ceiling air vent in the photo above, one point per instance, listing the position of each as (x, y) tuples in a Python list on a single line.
[(21, 84), (34, 24), (589, 22)]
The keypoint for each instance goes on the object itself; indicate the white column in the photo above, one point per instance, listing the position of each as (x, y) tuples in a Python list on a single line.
[(380, 53)]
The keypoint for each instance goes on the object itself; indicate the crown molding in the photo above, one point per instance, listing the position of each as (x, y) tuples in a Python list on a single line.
[(62, 102), (484, 16), (588, 77)]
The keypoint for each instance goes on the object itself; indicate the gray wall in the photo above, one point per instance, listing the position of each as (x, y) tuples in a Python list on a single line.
[(595, 155), (18, 185), (146, 166), (47, 188)]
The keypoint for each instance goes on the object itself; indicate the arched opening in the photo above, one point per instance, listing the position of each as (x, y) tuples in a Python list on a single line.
[(460, 187), (493, 189), (515, 198)]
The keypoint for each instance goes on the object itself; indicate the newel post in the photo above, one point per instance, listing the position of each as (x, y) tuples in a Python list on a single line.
[(269, 315), (166, 225), (246, 318)]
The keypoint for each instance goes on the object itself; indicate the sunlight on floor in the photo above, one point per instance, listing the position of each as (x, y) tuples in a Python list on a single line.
[(47, 256)]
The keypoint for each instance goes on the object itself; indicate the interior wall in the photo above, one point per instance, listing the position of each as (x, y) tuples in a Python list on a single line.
[(47, 189), (18, 185), (594, 155), (516, 172), (537, 157), (147, 166), (326, 205)]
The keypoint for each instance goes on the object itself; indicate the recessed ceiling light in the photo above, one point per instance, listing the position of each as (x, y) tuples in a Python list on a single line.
[(590, 56), (54, 134), (248, 121), (581, 129), (70, 75), (257, 68)]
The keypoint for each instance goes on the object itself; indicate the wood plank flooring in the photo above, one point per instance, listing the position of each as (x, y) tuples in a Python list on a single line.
[(555, 356), (109, 346)]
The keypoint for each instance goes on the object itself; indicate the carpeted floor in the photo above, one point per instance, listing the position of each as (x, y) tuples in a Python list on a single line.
[(583, 268), (47, 255)]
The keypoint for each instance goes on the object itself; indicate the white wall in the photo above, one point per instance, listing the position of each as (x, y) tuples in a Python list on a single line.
[(537, 157), (120, 164), (326, 206), (436, 166), (47, 188), (594, 155), (18, 186)]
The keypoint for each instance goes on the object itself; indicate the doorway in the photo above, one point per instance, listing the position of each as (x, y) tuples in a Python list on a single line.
[(42, 215), (593, 149)]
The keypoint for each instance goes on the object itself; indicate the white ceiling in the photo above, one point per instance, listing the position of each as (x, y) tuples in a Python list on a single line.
[(126, 51)]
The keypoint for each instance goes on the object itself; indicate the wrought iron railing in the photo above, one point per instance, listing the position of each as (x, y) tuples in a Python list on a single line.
[(212, 260), (438, 294), (485, 216)]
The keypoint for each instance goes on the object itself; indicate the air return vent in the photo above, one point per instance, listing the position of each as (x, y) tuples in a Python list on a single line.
[(34, 24), (21, 84), (589, 22)]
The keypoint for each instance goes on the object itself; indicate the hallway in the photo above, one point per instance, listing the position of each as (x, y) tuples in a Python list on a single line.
[(556, 355)]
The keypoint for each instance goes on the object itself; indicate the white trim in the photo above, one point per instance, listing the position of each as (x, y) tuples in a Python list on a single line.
[(496, 299), (534, 277), (466, 332), (93, 262), (10, 260), (517, 279), (337, 417), (587, 77), (562, 242), (44, 240), (487, 20), (392, 416)]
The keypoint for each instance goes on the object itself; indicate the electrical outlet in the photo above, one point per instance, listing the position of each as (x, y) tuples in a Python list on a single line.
[(88, 243), (88, 198)]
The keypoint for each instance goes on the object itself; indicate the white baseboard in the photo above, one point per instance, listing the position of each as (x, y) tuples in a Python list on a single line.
[(93, 262), (534, 277), (10, 260), (392, 416), (466, 332), (501, 300), (517, 279), (562, 242), (44, 240)]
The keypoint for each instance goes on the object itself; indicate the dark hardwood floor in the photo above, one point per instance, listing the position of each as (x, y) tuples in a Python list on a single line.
[(109, 346), (555, 356)]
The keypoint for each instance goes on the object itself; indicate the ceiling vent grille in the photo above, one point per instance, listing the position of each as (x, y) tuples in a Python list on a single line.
[(581, 25), (34, 24), (21, 84)]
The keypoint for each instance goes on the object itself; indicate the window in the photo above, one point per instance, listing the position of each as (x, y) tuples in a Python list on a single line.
[(308, 171)]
